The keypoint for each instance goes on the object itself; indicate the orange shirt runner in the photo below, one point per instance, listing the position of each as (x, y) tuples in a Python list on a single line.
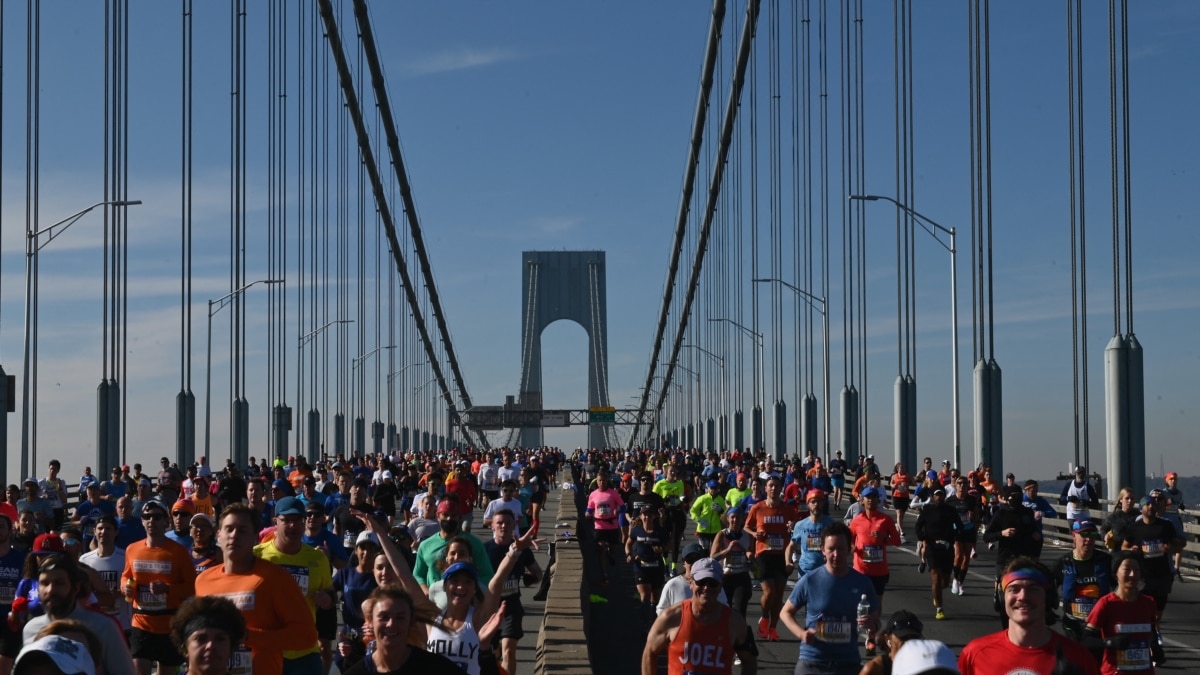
[(703, 649), (775, 522), (275, 611), (171, 564)]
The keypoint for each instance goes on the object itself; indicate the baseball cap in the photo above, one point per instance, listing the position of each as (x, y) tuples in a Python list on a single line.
[(31, 481), (202, 516), (309, 480), (280, 463), (153, 504), (872, 492), (946, 462), (280, 484), (447, 506), (924, 657), (365, 537), (1085, 528), (1170, 475), (8, 511), (931, 474), (314, 507), (48, 543), (1080, 470), (386, 475), (184, 505), (67, 655), (693, 552), (713, 484), (289, 506), (814, 494), (707, 568), (904, 625), (1146, 501), (464, 567)]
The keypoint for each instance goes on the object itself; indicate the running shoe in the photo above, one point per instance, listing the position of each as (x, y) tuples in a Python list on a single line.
[(922, 567), (763, 627), (956, 587), (737, 660), (773, 635), (903, 539), (940, 614)]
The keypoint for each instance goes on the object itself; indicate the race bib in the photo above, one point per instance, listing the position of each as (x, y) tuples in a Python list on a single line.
[(872, 554), (965, 518), (348, 539), (673, 501), (604, 511), (775, 542), (736, 560), (1081, 608), (1134, 657), (835, 632), (150, 602), (649, 562), (813, 543), (7, 593), (512, 586), (1153, 548), (241, 662)]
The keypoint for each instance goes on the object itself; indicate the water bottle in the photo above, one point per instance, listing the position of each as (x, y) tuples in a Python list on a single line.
[(864, 610)]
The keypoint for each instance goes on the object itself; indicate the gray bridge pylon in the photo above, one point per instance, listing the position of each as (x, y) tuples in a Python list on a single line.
[(571, 286)]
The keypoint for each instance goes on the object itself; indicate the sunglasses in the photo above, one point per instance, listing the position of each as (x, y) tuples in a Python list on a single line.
[(154, 516)]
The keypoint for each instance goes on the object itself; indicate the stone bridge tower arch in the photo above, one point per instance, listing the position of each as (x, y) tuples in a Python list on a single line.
[(555, 286)]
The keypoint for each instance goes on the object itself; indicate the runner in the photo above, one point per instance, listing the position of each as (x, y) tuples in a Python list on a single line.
[(525, 569), (873, 533), (266, 594), (707, 510), (158, 577), (1172, 503), (900, 484), (604, 508), (674, 494), (733, 547), (966, 504), (1156, 539), (205, 630), (1013, 529), (1079, 496), (768, 523), (644, 549), (701, 635), (1126, 623), (938, 528), (830, 596), (837, 476), (1085, 576), (805, 546), (1026, 605)]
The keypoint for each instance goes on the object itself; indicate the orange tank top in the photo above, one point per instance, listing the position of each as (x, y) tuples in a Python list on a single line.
[(701, 649)]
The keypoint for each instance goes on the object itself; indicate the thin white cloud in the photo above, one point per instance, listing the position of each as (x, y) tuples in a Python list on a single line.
[(459, 59)]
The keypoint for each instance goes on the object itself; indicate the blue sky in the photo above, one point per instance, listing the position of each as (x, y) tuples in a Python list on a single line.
[(563, 126)]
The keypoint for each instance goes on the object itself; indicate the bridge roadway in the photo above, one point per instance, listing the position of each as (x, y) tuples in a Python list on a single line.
[(617, 633)]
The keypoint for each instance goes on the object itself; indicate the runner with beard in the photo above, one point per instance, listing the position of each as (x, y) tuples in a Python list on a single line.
[(1156, 539), (449, 524), (1084, 575), (966, 505), (806, 535), (1026, 644), (768, 523), (937, 527)]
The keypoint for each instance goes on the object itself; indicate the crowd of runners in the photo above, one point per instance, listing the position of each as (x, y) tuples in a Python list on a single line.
[(275, 568), (371, 564), (820, 529)]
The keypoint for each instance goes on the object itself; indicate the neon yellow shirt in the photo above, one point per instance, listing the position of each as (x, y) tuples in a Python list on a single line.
[(310, 568)]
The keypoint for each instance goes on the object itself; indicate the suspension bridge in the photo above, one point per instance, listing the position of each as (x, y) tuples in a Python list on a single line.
[(249, 187)]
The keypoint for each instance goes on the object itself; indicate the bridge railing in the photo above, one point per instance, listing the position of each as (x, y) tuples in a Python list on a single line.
[(1059, 530)]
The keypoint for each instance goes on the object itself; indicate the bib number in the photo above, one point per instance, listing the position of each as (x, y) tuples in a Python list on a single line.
[(150, 602), (1082, 608), (241, 662), (1136, 657), (872, 554), (1153, 549), (834, 632), (775, 542)]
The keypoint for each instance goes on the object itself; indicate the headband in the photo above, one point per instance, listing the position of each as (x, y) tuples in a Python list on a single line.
[(1026, 574), (202, 621)]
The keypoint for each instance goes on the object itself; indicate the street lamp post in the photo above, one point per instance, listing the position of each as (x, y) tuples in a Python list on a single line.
[(724, 391), (391, 378), (953, 249), (360, 422), (824, 310), (758, 337), (314, 415), (33, 245), (220, 304)]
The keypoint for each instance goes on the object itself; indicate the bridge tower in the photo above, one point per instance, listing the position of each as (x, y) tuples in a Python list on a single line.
[(563, 285)]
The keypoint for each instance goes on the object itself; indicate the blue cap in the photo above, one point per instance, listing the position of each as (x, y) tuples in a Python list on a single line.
[(713, 483), (872, 492), (460, 567), (289, 506), (281, 484)]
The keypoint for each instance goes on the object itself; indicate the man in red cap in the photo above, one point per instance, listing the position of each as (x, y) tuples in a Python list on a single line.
[(1173, 501), (449, 516)]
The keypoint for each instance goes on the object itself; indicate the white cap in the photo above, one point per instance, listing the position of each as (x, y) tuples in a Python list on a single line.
[(69, 656), (386, 475), (924, 657), (366, 536)]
